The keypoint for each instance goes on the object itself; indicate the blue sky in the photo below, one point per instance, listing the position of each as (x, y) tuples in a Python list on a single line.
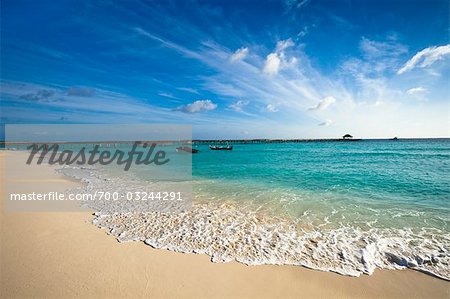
[(231, 69)]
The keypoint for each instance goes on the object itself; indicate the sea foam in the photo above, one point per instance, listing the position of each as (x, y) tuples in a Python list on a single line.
[(225, 231)]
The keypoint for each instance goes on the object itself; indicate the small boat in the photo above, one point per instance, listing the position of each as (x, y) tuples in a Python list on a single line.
[(187, 149), (221, 148), (395, 138)]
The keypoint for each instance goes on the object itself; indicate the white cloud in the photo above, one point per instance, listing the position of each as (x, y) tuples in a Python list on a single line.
[(284, 44), (377, 103), (292, 62), (369, 76), (364, 85), (271, 108), (303, 32), (380, 56), (324, 103), (276, 60), (416, 90), (168, 44), (198, 106), (272, 64), (188, 89), (239, 55), (425, 58), (97, 110), (326, 123), (380, 49), (295, 4), (239, 105), (168, 95)]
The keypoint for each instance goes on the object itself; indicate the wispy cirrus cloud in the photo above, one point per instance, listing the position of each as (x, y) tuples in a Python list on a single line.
[(80, 91), (188, 89), (167, 43), (326, 123), (39, 95), (49, 102), (295, 87), (239, 55), (369, 75), (296, 4), (381, 55), (271, 108), (303, 32), (426, 58), (163, 50), (324, 103), (168, 95), (416, 90), (239, 105), (373, 49)]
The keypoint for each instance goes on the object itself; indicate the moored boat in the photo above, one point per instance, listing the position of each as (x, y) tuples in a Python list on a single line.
[(187, 149), (223, 148)]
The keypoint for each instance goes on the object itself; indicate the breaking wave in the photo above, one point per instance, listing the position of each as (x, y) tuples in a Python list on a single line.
[(226, 231)]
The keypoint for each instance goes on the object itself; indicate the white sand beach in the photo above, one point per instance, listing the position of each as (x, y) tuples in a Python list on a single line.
[(61, 254)]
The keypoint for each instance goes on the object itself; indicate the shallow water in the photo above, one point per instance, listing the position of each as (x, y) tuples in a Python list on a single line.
[(393, 183), (346, 207)]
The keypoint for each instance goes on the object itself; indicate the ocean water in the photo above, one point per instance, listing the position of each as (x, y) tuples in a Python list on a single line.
[(345, 207), (393, 183)]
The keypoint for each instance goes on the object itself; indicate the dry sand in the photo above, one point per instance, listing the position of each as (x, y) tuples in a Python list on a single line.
[(60, 254)]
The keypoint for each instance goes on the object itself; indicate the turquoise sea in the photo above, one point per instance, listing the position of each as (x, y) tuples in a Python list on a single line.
[(383, 183), (346, 207)]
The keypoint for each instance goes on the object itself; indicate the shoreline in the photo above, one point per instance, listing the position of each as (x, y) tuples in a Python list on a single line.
[(63, 254)]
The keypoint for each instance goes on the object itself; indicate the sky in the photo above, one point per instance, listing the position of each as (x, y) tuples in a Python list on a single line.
[(231, 69)]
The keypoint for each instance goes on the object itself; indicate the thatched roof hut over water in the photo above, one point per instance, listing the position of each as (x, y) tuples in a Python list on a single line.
[(347, 136)]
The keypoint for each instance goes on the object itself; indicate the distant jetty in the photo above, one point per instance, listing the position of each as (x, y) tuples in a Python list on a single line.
[(116, 143), (251, 141)]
